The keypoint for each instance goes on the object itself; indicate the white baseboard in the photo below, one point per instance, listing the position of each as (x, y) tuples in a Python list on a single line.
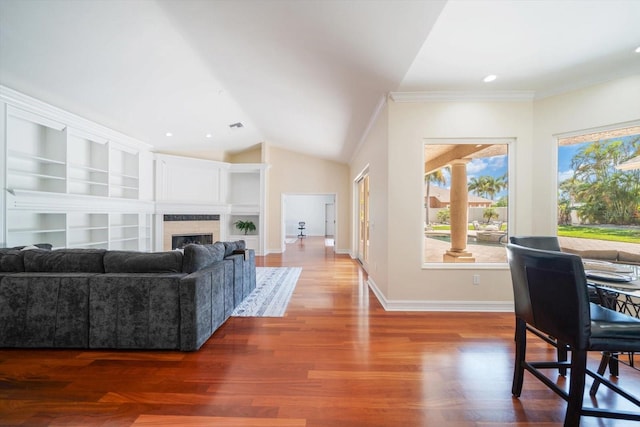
[(429, 305)]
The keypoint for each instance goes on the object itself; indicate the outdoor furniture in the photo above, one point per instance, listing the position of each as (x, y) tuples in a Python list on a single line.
[(550, 295)]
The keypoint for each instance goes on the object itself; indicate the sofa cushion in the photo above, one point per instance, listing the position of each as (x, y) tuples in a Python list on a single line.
[(143, 262), (64, 261), (11, 261), (197, 257), (229, 247), (241, 245), (44, 310), (135, 310), (629, 257), (217, 250), (46, 246)]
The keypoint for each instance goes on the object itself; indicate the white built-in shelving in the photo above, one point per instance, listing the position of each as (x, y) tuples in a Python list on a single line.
[(124, 181), (124, 231), (88, 230), (26, 228), (71, 182), (88, 166), (36, 154), (245, 195)]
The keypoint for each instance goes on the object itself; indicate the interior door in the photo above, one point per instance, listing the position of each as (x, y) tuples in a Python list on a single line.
[(329, 219), (363, 219)]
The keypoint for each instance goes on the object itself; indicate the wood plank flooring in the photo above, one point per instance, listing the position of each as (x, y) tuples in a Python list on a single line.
[(336, 359)]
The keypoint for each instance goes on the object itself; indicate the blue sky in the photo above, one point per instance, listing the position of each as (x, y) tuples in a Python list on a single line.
[(495, 166), (565, 154)]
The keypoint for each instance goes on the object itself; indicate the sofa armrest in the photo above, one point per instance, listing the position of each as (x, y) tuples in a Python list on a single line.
[(243, 252), (206, 302)]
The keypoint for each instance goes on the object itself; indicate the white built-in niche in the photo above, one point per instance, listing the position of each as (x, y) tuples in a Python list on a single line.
[(197, 186), (66, 176)]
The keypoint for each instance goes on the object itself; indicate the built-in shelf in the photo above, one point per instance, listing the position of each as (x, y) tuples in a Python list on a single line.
[(69, 182)]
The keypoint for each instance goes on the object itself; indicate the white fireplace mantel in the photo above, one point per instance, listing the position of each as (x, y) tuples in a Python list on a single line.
[(192, 186)]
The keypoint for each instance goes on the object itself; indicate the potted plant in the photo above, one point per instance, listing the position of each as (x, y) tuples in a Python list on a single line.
[(245, 226)]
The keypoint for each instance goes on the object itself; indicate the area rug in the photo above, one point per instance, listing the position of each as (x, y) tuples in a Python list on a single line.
[(274, 287), (290, 240)]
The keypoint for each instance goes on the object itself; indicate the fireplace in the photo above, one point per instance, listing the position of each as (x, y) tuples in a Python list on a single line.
[(179, 241), (179, 230)]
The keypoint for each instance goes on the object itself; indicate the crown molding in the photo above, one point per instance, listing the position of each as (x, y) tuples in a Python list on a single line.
[(461, 96), (48, 111)]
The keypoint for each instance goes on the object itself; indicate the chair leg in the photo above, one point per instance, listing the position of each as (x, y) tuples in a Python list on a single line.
[(521, 349), (562, 357), (606, 360), (576, 388), (614, 369)]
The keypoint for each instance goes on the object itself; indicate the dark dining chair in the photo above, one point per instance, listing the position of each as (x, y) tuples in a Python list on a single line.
[(549, 243), (550, 295)]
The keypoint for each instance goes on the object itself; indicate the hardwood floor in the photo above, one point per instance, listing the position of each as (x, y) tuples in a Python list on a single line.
[(336, 359)]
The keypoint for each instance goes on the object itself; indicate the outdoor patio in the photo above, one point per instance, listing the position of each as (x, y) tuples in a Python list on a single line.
[(485, 253)]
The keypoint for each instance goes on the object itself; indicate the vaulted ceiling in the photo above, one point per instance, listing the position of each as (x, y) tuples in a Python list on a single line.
[(304, 75)]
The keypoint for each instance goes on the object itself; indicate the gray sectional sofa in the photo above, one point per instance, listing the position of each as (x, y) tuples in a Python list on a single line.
[(95, 298)]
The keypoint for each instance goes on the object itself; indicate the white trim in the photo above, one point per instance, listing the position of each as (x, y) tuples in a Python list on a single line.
[(511, 151), (355, 218), (597, 129), (65, 203), (440, 306), (462, 96), (47, 111), (191, 208)]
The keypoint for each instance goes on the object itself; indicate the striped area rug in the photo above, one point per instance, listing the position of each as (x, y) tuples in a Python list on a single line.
[(274, 287)]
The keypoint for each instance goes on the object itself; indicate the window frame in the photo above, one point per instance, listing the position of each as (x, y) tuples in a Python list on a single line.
[(511, 143)]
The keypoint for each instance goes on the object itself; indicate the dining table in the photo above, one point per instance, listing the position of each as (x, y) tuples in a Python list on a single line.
[(618, 288), (617, 285)]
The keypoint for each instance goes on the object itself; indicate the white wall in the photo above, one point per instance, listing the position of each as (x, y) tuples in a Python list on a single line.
[(404, 283), (612, 103), (409, 125), (309, 208), (295, 173), (372, 155)]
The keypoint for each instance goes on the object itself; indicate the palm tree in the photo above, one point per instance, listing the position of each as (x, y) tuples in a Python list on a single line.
[(436, 177), (487, 186)]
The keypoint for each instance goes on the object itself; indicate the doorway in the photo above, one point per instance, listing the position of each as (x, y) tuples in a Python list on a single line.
[(362, 183), (317, 211)]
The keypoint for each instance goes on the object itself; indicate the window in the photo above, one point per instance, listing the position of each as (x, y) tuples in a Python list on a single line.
[(466, 185), (599, 190)]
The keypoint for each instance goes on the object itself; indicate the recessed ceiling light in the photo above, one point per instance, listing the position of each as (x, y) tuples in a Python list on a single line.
[(490, 78), (638, 49), (208, 135), (168, 134)]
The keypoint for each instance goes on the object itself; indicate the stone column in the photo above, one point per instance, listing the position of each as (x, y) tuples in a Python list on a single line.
[(459, 208)]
